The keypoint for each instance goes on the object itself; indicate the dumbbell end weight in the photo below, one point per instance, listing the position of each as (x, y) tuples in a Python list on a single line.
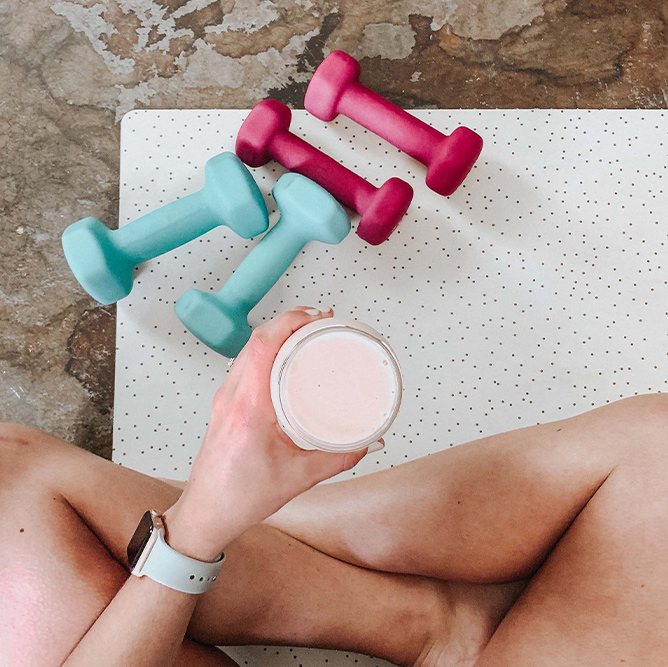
[(233, 195), (384, 211), (214, 323), (328, 84), (267, 119), (453, 160), (103, 270)]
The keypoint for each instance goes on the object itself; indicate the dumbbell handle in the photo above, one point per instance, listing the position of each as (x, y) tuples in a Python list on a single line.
[(298, 155), (403, 130), (166, 228), (263, 266)]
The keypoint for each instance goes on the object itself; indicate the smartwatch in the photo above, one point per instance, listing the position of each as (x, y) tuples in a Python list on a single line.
[(150, 556)]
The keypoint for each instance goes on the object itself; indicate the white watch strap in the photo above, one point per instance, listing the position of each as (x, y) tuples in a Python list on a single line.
[(174, 570)]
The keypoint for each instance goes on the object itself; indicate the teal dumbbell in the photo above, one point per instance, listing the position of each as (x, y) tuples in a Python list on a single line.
[(103, 260), (308, 213)]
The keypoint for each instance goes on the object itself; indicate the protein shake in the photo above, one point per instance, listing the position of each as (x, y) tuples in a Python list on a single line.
[(336, 386)]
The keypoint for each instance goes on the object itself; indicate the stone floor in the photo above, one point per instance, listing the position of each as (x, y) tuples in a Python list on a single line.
[(70, 69)]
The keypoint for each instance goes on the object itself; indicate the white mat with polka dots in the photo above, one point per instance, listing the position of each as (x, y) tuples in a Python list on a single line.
[(534, 293)]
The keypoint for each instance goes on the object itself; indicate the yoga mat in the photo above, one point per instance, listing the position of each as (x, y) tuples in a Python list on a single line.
[(536, 292)]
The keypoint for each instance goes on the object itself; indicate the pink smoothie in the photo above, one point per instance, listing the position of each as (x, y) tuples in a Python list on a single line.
[(341, 387)]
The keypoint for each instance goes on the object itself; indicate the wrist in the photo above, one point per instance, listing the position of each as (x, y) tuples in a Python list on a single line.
[(190, 537)]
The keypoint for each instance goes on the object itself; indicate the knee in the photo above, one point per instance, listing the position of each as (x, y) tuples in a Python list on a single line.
[(651, 409), (17, 435), (645, 419), (644, 465), (22, 444)]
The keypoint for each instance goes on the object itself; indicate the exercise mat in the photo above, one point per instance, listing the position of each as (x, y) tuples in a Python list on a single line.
[(536, 292)]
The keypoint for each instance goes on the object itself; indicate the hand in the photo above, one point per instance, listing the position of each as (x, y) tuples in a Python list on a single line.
[(247, 468)]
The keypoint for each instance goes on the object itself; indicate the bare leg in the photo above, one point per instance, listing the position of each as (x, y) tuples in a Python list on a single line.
[(56, 577), (487, 511), (601, 596), (581, 506), (505, 517), (81, 510)]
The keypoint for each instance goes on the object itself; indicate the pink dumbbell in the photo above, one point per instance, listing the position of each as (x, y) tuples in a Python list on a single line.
[(265, 134), (335, 89)]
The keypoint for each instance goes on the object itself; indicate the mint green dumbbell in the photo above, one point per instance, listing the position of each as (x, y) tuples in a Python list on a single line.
[(308, 213), (103, 260)]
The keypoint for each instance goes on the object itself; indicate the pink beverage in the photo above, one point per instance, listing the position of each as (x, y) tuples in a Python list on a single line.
[(336, 386)]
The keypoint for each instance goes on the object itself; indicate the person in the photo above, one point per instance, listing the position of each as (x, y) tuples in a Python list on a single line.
[(543, 546)]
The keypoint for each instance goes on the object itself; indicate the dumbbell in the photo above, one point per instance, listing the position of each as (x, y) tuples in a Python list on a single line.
[(308, 213), (103, 260), (335, 89), (265, 134)]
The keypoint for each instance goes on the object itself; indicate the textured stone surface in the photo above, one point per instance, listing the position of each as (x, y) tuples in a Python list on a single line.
[(70, 69)]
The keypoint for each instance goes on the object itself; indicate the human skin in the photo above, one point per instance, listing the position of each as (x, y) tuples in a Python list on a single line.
[(245, 470), (424, 564), (577, 508)]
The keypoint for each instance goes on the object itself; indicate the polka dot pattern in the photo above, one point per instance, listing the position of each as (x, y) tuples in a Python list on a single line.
[(536, 292)]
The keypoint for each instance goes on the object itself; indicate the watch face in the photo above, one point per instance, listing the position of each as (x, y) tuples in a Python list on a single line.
[(140, 539)]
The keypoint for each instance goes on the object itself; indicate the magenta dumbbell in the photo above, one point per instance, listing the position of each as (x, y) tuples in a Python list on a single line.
[(265, 134), (335, 89)]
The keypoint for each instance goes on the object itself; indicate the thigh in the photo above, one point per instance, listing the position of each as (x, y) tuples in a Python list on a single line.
[(484, 512), (601, 596), (56, 575)]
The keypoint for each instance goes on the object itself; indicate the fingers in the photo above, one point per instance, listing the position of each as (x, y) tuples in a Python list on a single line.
[(262, 348), (274, 333)]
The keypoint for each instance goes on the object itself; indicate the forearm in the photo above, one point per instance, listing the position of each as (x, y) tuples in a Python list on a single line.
[(144, 625)]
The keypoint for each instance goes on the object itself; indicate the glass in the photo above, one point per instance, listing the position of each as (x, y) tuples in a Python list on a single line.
[(290, 351)]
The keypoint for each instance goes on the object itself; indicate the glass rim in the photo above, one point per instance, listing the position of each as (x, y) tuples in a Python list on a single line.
[(309, 438)]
